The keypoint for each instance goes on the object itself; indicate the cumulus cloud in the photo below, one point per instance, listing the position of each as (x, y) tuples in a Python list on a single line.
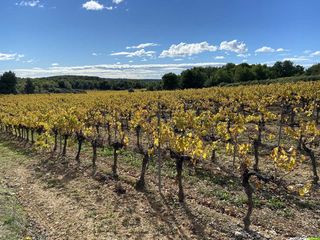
[(185, 49), (55, 64), (281, 50), (234, 46), (143, 45), (266, 49), (93, 5), (143, 71), (139, 53), (315, 54), (33, 3), (219, 57), (10, 56), (117, 1), (7, 56)]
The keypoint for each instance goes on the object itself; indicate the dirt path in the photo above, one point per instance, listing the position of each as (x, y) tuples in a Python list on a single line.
[(65, 205), (63, 202), (56, 215)]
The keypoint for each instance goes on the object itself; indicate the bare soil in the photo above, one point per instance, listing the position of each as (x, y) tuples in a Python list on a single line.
[(64, 201)]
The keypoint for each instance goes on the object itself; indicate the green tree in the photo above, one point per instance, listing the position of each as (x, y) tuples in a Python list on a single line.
[(29, 87), (222, 76), (8, 83), (243, 73), (64, 84), (192, 78), (260, 72), (314, 70), (286, 69), (170, 81)]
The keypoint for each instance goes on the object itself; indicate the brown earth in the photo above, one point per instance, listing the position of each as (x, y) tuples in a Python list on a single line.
[(63, 201)]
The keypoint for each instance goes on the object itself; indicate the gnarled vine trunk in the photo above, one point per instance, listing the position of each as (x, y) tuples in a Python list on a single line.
[(80, 141), (310, 153), (140, 185), (249, 192), (179, 166), (65, 143)]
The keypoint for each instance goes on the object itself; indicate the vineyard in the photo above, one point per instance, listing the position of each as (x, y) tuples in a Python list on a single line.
[(247, 153)]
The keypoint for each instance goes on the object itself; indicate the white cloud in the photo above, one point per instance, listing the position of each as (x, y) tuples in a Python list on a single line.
[(265, 49), (55, 64), (117, 1), (109, 8), (219, 57), (297, 59), (234, 46), (282, 50), (7, 56), (10, 56), (143, 71), (178, 59), (29, 61), (143, 45), (93, 5), (19, 56), (139, 53), (33, 3), (315, 54), (184, 49), (244, 55)]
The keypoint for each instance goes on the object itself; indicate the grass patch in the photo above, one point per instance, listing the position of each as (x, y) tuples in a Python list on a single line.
[(13, 220), (241, 200), (276, 203), (287, 213)]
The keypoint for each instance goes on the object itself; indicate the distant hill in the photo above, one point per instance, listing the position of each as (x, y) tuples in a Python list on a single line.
[(70, 83)]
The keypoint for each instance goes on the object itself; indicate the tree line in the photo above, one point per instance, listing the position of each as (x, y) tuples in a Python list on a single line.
[(199, 77), (10, 84)]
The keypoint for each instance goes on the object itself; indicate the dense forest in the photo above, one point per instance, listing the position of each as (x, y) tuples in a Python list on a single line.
[(65, 84), (232, 74), (198, 77), (10, 84)]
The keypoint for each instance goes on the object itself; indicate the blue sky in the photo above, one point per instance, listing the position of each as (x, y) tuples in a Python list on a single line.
[(147, 38)]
